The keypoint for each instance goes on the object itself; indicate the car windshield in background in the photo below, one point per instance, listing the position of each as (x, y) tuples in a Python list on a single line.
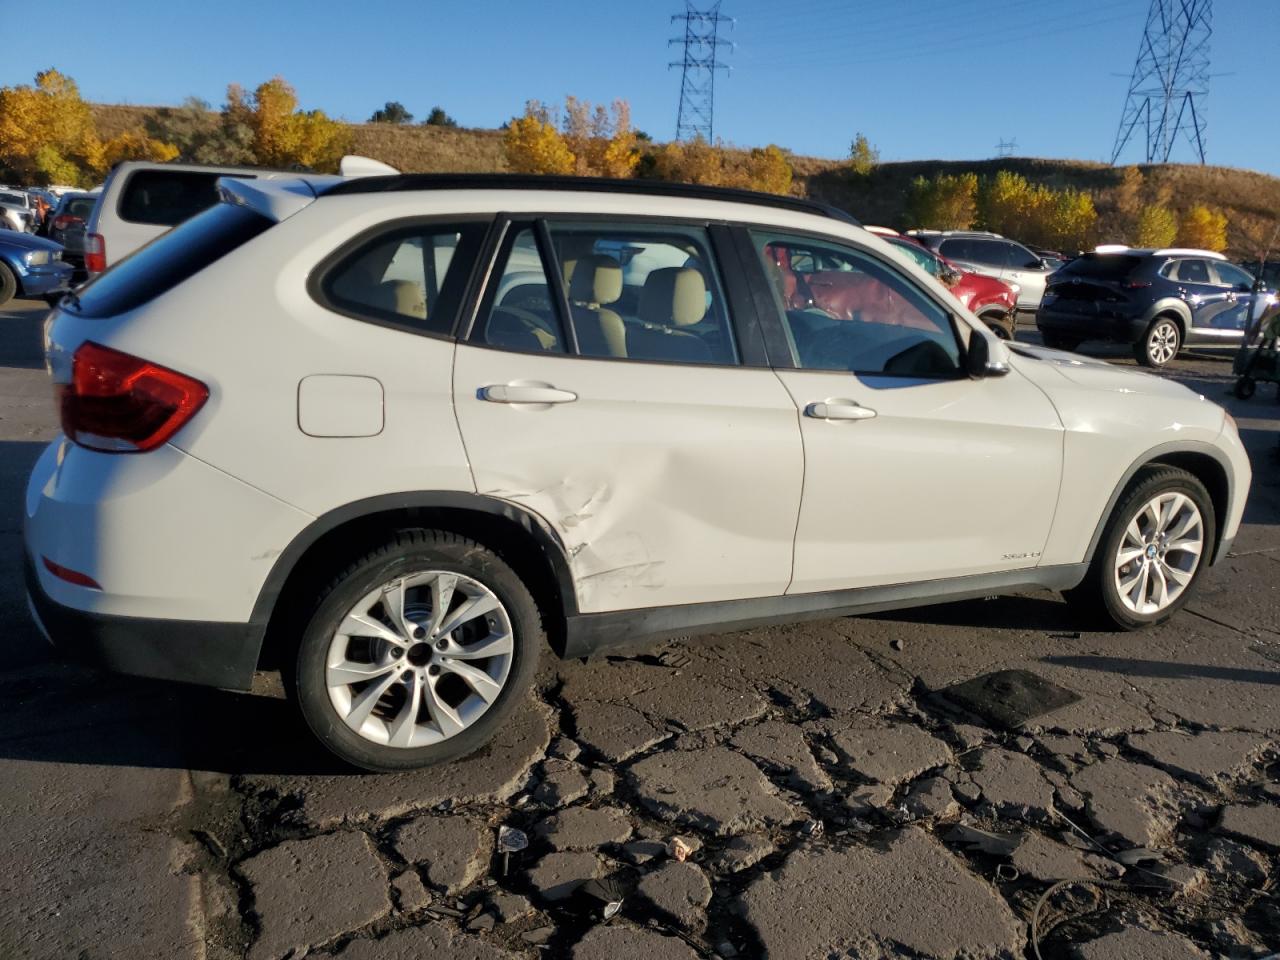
[(167, 197), (80, 207), (169, 259), (1101, 266), (16, 199)]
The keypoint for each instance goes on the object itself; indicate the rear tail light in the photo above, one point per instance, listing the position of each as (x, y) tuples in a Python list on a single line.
[(1134, 284), (71, 576), (63, 221), (95, 253), (119, 403)]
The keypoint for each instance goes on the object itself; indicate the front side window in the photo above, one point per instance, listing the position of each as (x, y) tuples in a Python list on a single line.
[(520, 311), (859, 315), (412, 276), (961, 249), (1020, 258), (644, 292), (1232, 276)]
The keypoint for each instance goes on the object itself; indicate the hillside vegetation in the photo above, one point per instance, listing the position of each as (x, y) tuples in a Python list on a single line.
[(1251, 201)]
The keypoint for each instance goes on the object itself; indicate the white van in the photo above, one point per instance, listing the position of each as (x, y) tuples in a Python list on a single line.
[(141, 200)]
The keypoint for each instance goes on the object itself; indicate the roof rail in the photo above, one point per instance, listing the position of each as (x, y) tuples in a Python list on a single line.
[(521, 181)]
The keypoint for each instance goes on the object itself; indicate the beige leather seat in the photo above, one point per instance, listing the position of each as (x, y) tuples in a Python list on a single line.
[(672, 297), (597, 282), (403, 297)]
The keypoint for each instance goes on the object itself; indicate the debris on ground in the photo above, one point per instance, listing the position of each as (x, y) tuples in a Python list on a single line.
[(1009, 698)]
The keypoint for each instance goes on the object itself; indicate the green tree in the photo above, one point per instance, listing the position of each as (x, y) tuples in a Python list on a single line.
[(1157, 227), (393, 111), (863, 157), (438, 118), (203, 135), (945, 202)]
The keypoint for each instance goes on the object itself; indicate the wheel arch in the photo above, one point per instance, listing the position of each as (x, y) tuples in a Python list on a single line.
[(1175, 310), (1203, 461), (524, 540)]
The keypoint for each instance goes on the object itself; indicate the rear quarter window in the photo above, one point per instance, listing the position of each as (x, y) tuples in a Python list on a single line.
[(167, 197), (169, 260)]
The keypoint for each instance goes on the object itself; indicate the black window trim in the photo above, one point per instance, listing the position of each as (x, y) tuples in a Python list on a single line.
[(320, 272), (745, 326), (777, 337)]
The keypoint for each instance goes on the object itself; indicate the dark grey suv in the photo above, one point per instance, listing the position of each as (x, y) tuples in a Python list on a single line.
[(1156, 300)]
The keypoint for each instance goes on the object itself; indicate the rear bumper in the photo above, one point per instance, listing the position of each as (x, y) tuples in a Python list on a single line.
[(1120, 329), (190, 651)]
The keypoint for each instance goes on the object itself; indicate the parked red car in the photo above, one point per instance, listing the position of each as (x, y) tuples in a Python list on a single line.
[(993, 301)]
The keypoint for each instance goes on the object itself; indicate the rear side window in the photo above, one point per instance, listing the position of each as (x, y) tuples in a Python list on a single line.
[(167, 197), (1192, 271), (412, 276), (1101, 266), (169, 260)]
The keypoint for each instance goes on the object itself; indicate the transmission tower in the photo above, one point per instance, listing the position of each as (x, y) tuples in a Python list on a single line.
[(1005, 148), (1170, 80), (701, 61)]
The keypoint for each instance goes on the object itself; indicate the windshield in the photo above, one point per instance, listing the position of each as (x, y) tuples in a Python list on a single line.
[(169, 259), (921, 256), (1101, 266)]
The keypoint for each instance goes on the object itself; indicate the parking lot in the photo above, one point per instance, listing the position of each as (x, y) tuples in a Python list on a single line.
[(831, 795)]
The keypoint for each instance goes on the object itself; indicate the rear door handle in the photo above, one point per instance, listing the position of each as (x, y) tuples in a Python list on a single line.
[(525, 392), (838, 410)]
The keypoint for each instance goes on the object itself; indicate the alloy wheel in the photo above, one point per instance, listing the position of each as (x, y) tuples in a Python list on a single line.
[(419, 659), (1159, 553), (1162, 342)]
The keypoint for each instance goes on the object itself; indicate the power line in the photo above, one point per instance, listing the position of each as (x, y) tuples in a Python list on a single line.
[(1170, 80), (702, 45)]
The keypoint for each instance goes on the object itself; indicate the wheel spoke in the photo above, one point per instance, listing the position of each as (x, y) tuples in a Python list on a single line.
[(1170, 510), (1180, 577), (349, 671), (1161, 585), (393, 603), (363, 625), (441, 599), (1125, 557), (1138, 595), (474, 606), (484, 685), (445, 717), (405, 721), (494, 646), (1133, 534), (367, 699), (1185, 524), (1192, 545)]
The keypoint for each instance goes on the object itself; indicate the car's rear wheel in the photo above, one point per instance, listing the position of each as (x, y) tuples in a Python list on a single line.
[(1160, 344), (1153, 550), (417, 653), (8, 284), (1246, 387)]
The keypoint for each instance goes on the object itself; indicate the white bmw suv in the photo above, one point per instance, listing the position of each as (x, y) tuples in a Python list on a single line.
[(394, 435)]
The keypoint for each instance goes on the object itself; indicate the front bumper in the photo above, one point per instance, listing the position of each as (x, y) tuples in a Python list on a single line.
[(212, 654), (46, 279)]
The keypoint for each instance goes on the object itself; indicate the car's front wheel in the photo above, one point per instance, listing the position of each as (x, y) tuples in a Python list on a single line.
[(1160, 344), (8, 284), (417, 652), (1154, 548)]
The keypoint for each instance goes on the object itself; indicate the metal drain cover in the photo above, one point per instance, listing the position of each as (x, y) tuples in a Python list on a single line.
[(1009, 698)]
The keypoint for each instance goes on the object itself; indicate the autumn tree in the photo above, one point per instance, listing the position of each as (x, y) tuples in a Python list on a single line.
[(393, 111), (944, 202), (1203, 229), (863, 157), (283, 135), (690, 161), (47, 133), (768, 171), (1157, 227), (533, 144), (136, 145), (600, 138)]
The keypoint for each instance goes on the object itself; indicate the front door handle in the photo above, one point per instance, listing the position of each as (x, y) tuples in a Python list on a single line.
[(525, 392), (838, 410)]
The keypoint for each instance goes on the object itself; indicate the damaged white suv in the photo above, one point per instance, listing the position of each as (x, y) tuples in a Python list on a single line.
[(394, 435)]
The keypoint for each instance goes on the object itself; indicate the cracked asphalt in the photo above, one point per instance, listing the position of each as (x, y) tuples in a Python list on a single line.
[(831, 797)]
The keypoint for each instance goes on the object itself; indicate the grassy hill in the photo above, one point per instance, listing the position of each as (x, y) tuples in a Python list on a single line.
[(1251, 200)]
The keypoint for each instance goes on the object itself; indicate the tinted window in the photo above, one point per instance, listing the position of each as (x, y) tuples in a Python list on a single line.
[(168, 260), (520, 311), (80, 207), (1101, 266), (1192, 271), (167, 197), (1232, 275), (410, 276), (961, 249), (644, 292), (1020, 258), (859, 315), (17, 199)]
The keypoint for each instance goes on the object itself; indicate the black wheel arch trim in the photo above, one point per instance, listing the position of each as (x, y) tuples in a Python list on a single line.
[(1169, 306), (535, 526), (1154, 455)]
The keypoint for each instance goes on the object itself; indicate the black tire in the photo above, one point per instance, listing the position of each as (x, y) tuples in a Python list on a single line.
[(1245, 387), (412, 551), (1001, 328), (1150, 350), (1060, 343), (8, 284), (1098, 598)]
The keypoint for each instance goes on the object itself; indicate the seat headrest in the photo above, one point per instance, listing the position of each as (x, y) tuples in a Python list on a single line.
[(403, 297), (673, 296), (597, 279)]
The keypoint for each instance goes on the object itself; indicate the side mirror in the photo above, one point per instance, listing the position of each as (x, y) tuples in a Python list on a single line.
[(978, 360)]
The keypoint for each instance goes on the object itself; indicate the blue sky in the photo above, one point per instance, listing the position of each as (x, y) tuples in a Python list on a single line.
[(922, 78)]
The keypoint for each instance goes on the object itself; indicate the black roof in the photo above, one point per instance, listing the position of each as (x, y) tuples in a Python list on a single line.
[(519, 181)]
